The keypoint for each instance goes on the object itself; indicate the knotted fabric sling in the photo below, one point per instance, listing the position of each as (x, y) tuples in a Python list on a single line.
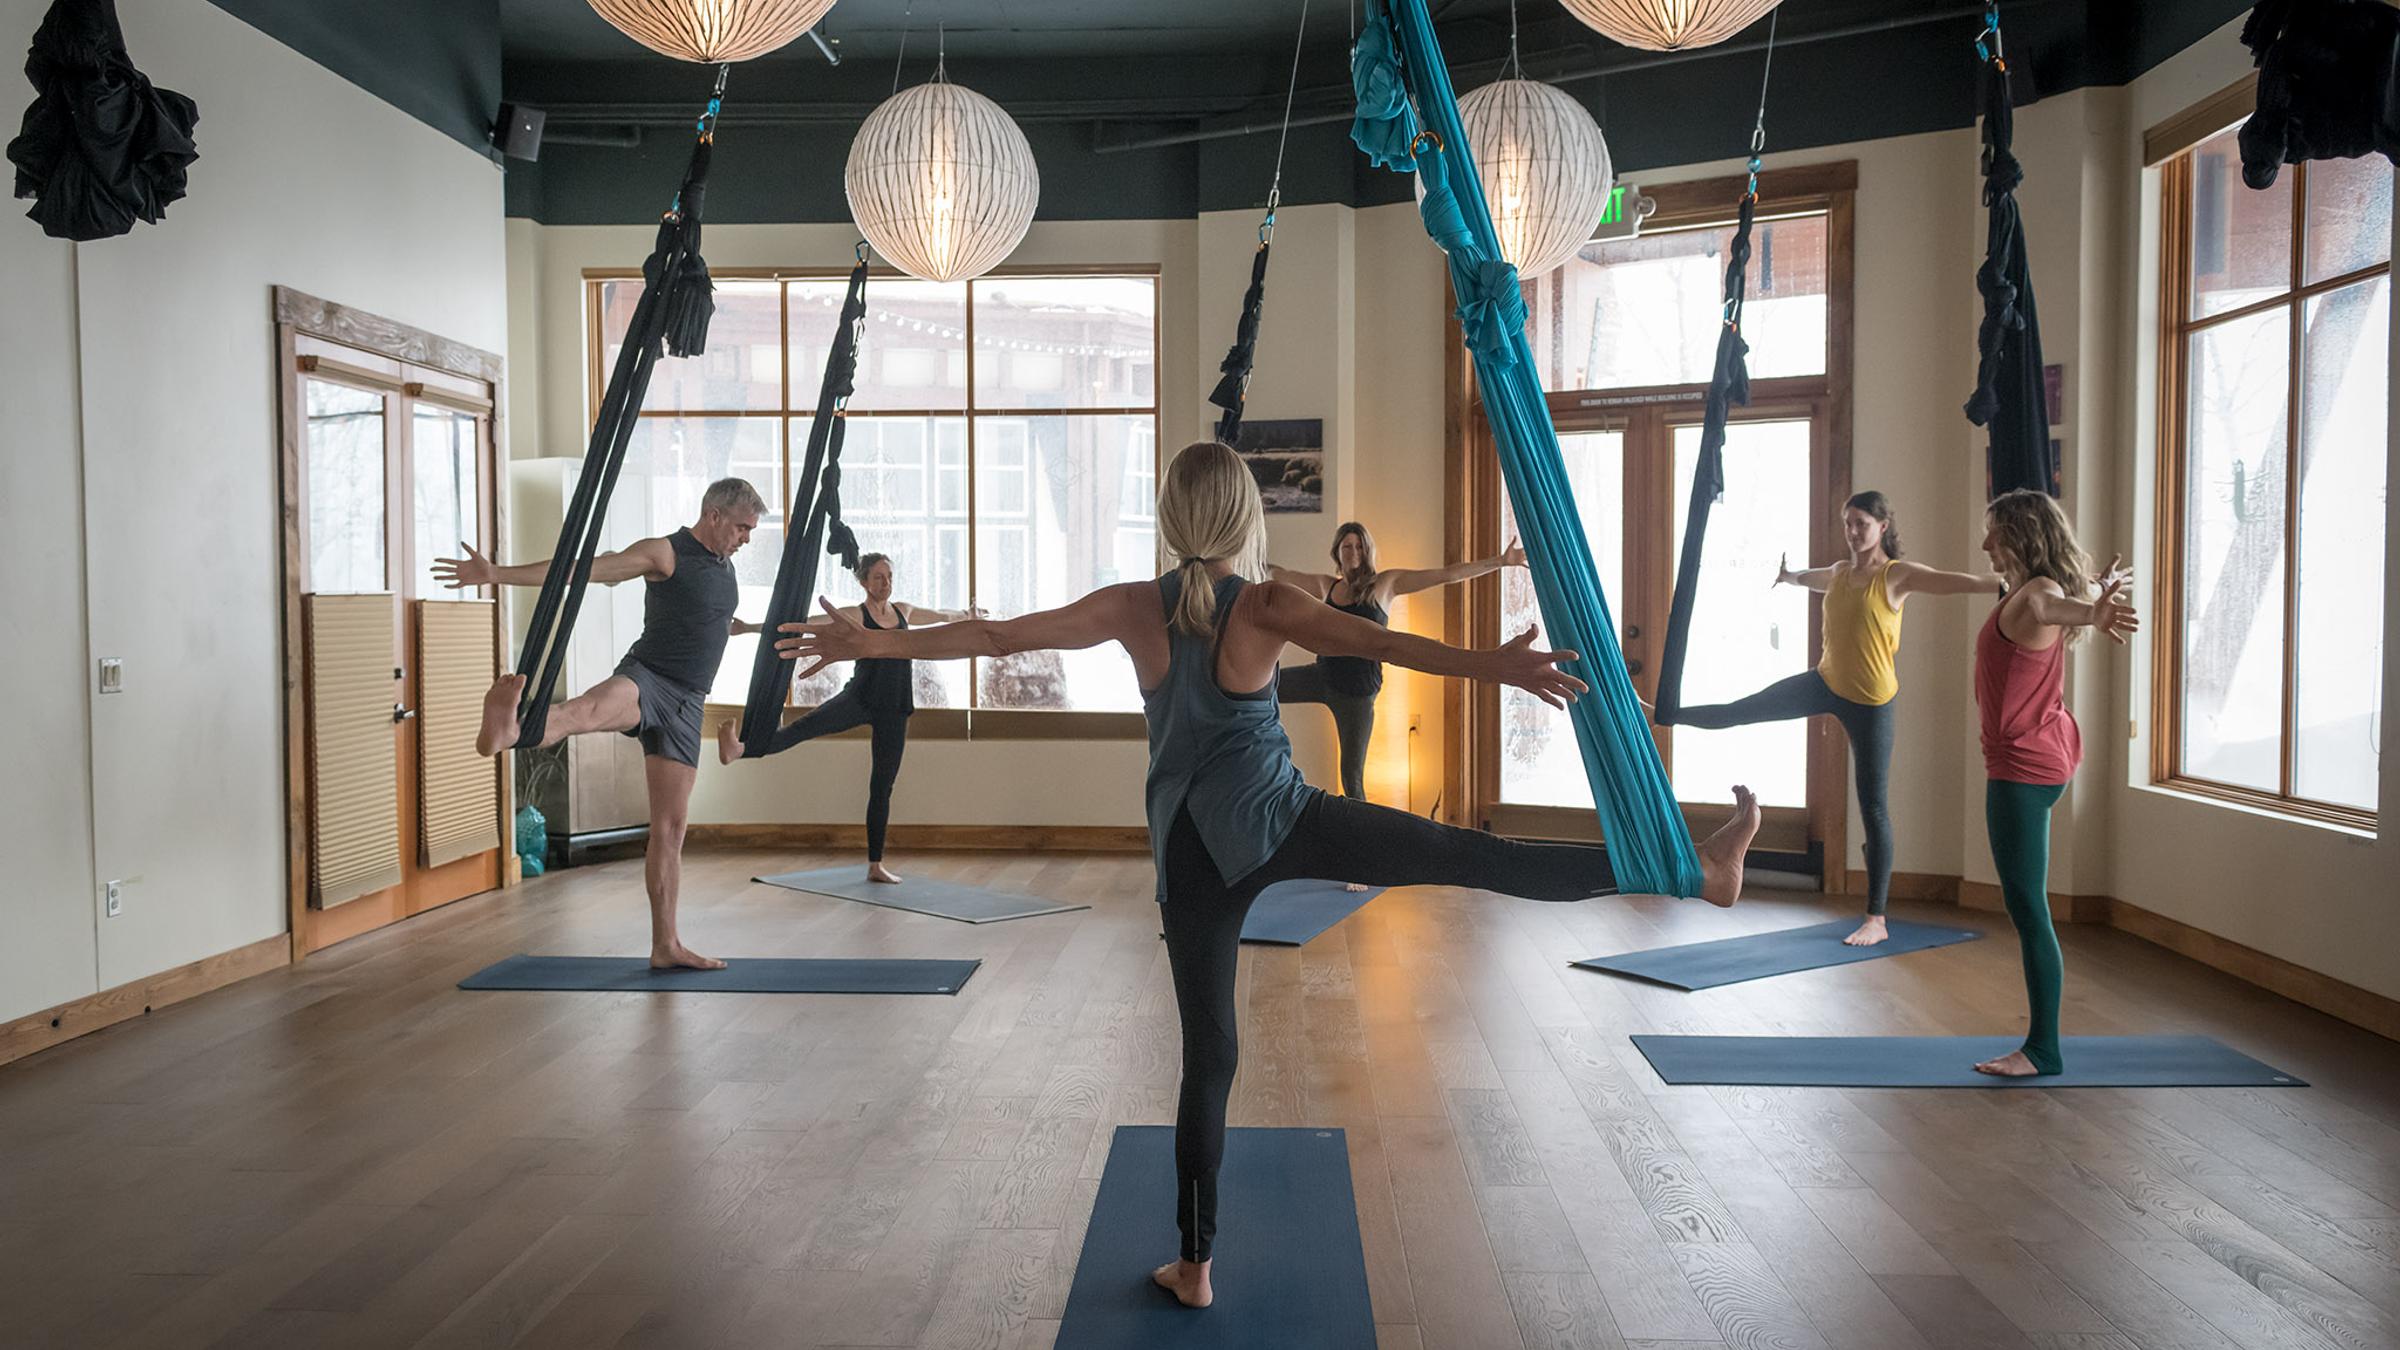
[(2009, 395), (1398, 62), (816, 513), (676, 304)]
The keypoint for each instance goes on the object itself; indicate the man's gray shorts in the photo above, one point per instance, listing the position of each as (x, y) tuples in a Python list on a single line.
[(671, 714)]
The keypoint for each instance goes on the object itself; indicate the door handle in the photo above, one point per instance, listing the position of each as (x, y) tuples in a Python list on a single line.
[(402, 712)]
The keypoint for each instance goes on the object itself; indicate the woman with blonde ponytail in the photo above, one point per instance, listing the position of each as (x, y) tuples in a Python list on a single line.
[(1229, 815)]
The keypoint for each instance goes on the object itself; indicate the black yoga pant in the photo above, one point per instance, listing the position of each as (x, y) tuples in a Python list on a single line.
[(1353, 718), (1869, 726), (1336, 839), (840, 713)]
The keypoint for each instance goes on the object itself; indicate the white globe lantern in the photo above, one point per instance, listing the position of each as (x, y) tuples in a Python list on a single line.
[(1544, 167), (712, 31), (941, 181), (1669, 25)]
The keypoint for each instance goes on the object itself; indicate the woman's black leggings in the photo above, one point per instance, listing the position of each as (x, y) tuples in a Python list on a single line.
[(1336, 839), (1869, 726), (840, 713), (1353, 718)]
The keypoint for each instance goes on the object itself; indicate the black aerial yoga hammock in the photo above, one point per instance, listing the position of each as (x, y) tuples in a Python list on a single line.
[(101, 147), (814, 527), (2328, 84), (1728, 386), (673, 312), (2009, 396), (1234, 388)]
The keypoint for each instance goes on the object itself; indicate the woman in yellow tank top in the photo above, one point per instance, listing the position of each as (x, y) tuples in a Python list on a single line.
[(1857, 679)]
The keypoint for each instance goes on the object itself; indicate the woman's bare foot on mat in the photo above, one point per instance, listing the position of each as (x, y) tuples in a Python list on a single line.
[(729, 742), (680, 957), (2011, 1065), (1187, 1281), (1356, 887), (878, 872), (499, 730), (1721, 853), (1870, 931)]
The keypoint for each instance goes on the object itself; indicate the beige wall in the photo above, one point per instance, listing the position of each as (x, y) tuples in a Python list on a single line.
[(172, 436)]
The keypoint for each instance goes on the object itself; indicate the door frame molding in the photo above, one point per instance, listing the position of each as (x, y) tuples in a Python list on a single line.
[(408, 352)]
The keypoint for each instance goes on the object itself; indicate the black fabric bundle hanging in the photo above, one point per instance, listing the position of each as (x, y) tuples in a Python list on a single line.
[(673, 312), (2009, 396), (1728, 388), (101, 147), (2328, 84), (814, 527), (1234, 388)]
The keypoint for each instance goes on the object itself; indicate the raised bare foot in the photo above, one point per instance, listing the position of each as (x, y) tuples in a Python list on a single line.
[(680, 957), (1187, 1281), (1357, 887), (2011, 1065), (1721, 853), (729, 742), (499, 730), (1870, 931), (878, 872)]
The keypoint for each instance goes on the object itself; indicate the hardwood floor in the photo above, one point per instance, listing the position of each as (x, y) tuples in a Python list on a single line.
[(351, 1152)]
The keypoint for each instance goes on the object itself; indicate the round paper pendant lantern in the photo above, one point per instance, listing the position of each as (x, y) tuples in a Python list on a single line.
[(1669, 25), (941, 182), (1544, 167), (712, 31)]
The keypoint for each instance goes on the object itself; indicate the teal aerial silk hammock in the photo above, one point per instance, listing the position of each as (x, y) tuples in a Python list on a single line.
[(1398, 63)]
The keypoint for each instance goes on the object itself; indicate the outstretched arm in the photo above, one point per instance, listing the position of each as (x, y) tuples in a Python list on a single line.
[(1908, 578), (1410, 580), (1814, 578), (1286, 613), (1105, 615), (928, 614), (2109, 610), (1317, 584), (643, 558)]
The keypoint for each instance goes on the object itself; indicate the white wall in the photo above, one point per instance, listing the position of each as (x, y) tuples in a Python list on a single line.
[(303, 180)]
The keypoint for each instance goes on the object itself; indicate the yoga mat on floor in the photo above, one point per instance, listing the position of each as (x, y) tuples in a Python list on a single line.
[(967, 904), (1705, 965), (741, 975), (1949, 1061), (1289, 1269), (1291, 913)]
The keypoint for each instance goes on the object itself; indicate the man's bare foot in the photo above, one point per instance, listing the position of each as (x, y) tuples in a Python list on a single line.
[(680, 957), (499, 730), (1721, 853), (2011, 1065), (729, 741), (1187, 1281), (1357, 887), (878, 872), (1870, 931)]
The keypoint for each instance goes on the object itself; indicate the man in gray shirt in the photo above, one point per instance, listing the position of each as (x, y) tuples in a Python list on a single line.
[(658, 690)]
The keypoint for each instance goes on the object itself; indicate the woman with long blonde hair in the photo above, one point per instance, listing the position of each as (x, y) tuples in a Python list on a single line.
[(1228, 813), (2031, 745)]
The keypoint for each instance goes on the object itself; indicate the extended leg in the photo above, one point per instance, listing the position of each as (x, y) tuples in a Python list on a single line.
[(891, 740), (2018, 817), (1801, 695), (670, 785), (614, 704), (839, 713), (1301, 684)]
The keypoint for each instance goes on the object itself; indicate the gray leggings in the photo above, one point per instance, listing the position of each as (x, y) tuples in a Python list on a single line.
[(1869, 726), (1353, 718)]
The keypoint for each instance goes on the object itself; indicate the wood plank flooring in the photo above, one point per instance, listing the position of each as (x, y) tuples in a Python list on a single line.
[(351, 1152)]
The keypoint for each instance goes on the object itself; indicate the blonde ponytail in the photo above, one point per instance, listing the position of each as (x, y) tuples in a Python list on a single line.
[(1209, 511)]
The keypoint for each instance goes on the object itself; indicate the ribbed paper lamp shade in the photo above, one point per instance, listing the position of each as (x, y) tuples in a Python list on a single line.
[(941, 182), (712, 31), (1544, 167), (1668, 25)]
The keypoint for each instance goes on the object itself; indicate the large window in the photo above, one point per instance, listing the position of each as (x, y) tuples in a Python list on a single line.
[(2276, 314), (1002, 449)]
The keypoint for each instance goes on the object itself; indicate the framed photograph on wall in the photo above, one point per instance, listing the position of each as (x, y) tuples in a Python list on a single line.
[(1287, 456)]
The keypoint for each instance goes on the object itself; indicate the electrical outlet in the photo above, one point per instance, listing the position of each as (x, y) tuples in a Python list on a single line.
[(112, 675), (116, 898)]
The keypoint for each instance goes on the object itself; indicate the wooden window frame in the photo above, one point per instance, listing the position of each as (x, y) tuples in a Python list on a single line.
[(970, 722), (2174, 141)]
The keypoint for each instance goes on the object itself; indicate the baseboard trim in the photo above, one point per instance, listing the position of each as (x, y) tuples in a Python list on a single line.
[(79, 1017), (989, 838)]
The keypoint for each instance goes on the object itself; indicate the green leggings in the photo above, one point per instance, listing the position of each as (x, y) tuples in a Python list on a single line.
[(2018, 816)]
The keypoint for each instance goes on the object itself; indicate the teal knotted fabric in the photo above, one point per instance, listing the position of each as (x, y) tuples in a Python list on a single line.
[(1648, 846), (1386, 127)]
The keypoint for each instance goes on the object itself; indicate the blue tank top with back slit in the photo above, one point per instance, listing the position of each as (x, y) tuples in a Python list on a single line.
[(1222, 756)]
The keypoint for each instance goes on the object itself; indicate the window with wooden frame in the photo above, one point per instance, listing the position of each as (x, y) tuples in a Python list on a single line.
[(1002, 436), (2275, 317)]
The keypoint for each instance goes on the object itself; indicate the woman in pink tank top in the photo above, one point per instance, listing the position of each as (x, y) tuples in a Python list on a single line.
[(2031, 745)]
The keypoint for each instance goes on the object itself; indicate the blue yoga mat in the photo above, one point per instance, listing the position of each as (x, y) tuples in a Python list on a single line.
[(917, 895), (1289, 1269), (743, 975), (1705, 965), (1291, 913), (1949, 1061)]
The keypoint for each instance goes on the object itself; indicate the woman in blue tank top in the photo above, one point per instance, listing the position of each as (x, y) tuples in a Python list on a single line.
[(1229, 815)]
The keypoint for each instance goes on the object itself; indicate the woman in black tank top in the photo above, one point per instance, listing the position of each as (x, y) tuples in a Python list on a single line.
[(1347, 685), (881, 694)]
